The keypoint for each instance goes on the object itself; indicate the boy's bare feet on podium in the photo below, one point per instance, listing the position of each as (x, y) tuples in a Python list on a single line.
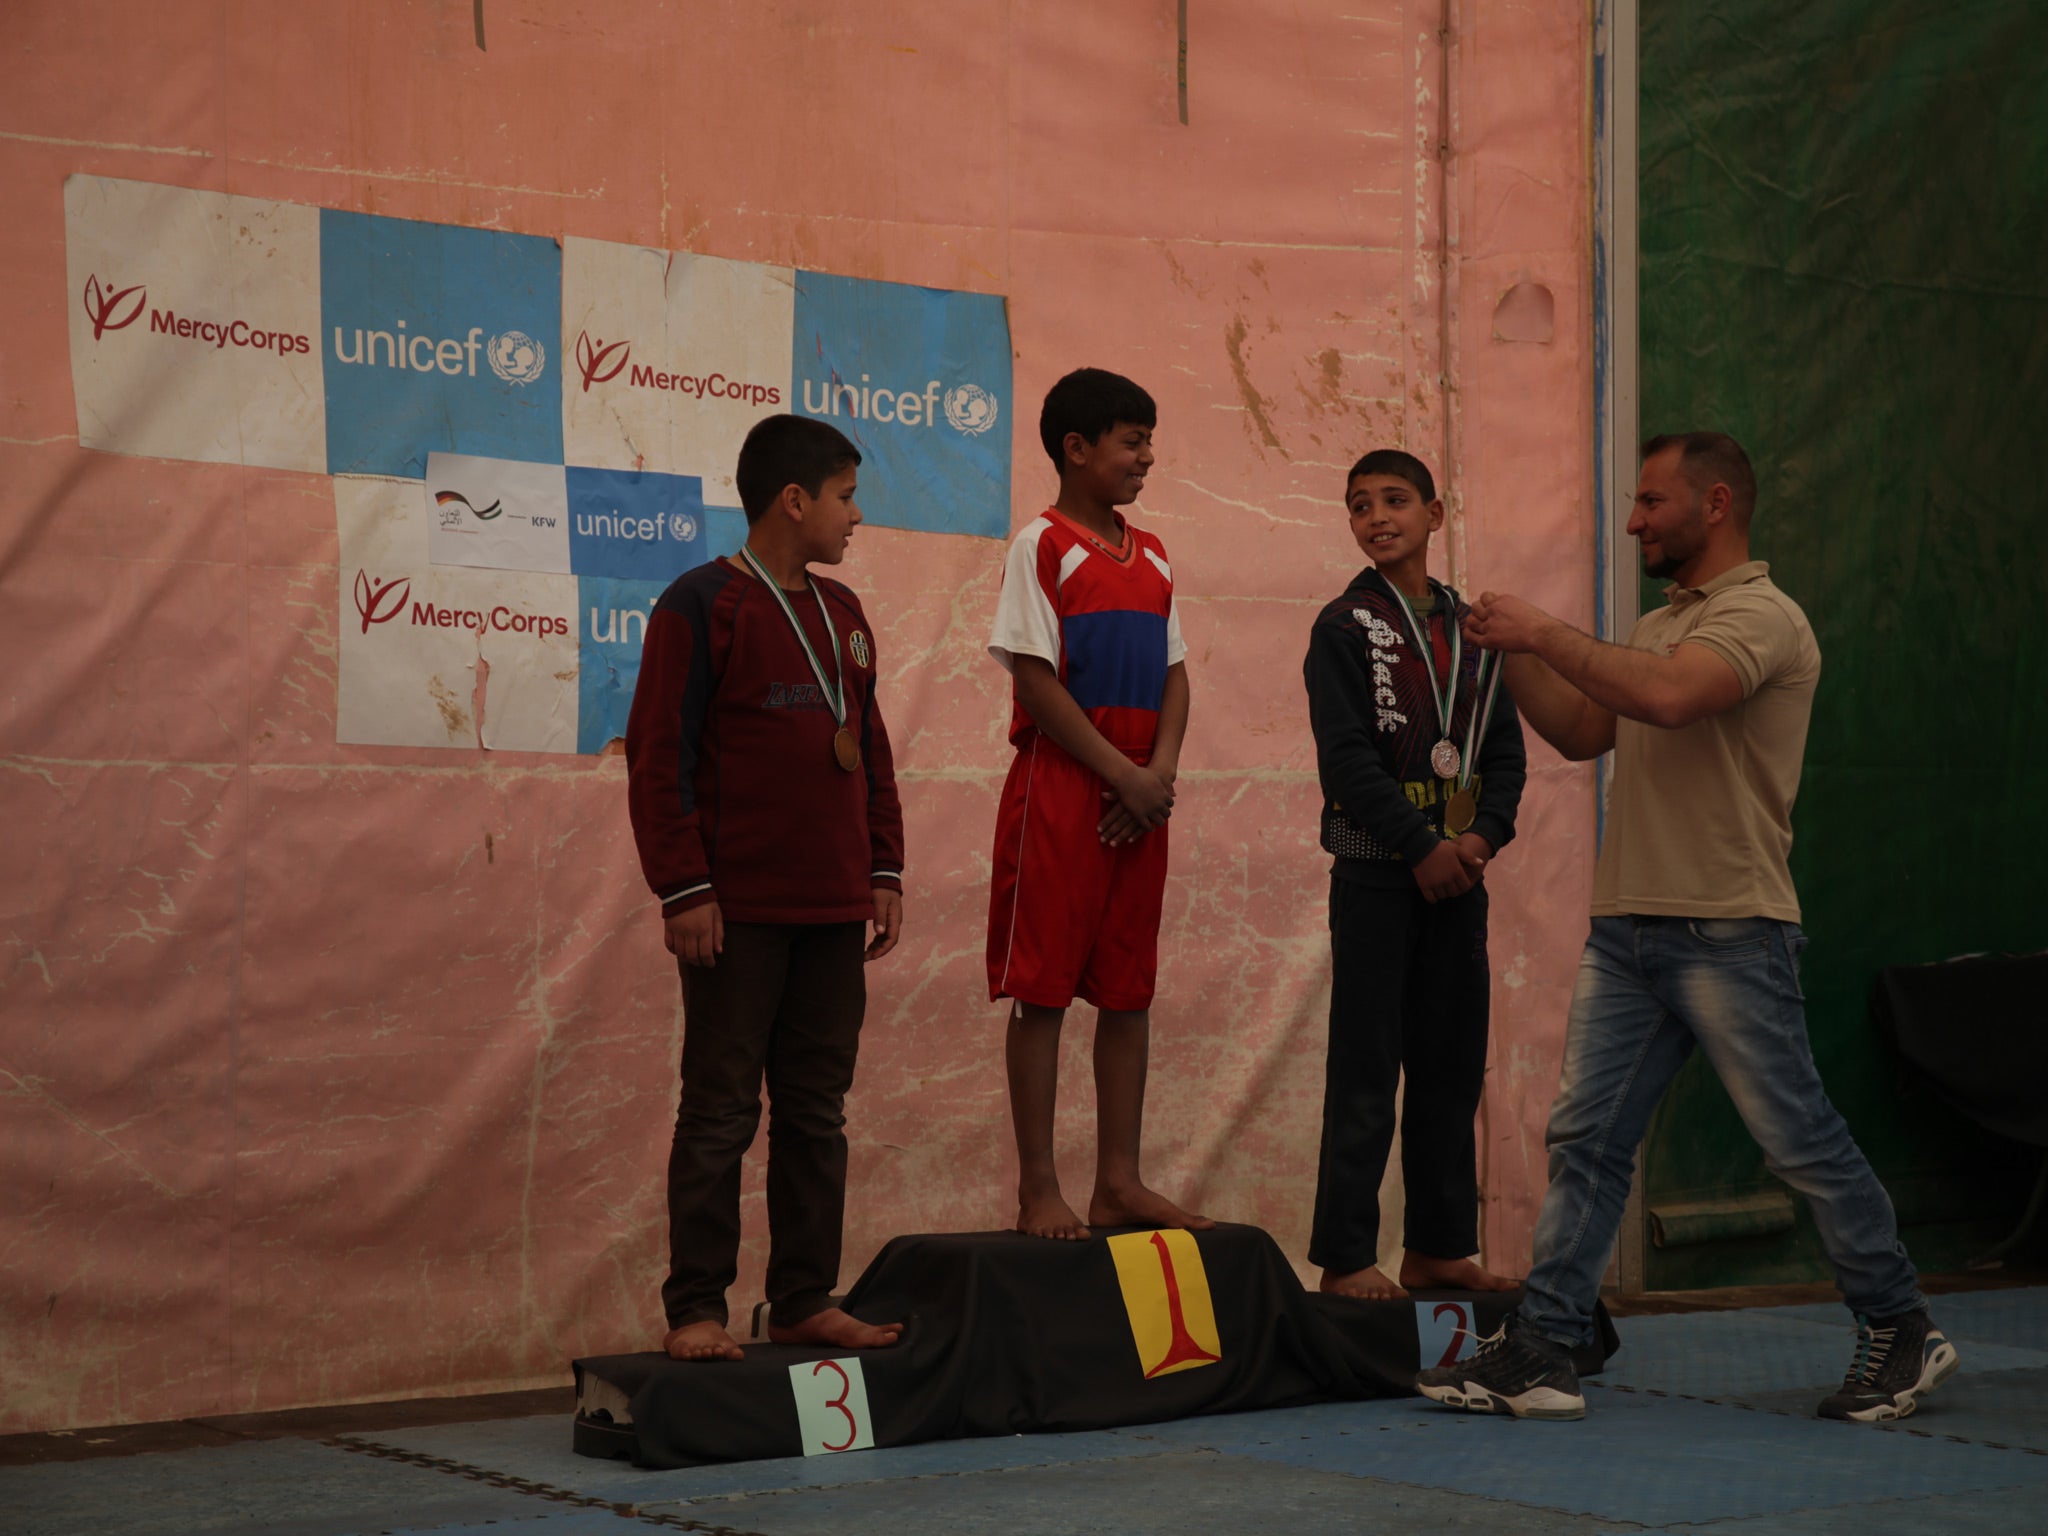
[(701, 1341), (1049, 1215), (1368, 1284), (840, 1329), (1133, 1205), (1423, 1273)]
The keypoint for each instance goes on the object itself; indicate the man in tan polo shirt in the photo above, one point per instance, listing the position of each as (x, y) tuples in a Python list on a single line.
[(1695, 937)]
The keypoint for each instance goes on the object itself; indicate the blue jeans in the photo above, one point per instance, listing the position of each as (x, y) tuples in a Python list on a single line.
[(1649, 990)]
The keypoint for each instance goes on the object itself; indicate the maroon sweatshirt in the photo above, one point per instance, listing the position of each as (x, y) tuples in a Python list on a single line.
[(734, 792)]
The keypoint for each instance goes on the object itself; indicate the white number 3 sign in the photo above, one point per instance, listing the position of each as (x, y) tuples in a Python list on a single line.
[(831, 1406)]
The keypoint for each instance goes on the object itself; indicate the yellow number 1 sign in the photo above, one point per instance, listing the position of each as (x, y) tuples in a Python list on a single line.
[(1166, 1293)]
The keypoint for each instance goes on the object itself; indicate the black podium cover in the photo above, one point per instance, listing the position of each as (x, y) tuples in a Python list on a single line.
[(1009, 1334)]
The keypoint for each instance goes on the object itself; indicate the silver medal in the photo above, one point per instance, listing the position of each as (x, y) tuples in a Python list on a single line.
[(1443, 757)]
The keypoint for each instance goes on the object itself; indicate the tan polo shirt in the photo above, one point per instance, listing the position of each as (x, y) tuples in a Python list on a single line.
[(1699, 820)]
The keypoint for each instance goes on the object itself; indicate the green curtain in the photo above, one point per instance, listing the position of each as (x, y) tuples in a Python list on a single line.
[(1844, 238)]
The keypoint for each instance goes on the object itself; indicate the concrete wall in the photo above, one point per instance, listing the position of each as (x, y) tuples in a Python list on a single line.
[(344, 1072)]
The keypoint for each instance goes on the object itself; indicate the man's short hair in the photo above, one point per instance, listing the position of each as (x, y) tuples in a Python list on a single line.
[(1402, 466), (788, 450), (1707, 459), (1090, 401)]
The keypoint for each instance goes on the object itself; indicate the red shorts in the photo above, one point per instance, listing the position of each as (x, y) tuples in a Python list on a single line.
[(1068, 916)]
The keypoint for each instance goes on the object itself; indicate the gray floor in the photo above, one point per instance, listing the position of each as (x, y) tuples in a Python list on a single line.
[(1702, 1423)]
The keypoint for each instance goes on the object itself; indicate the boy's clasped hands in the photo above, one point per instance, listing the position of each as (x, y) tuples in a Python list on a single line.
[(1141, 800), (1453, 867)]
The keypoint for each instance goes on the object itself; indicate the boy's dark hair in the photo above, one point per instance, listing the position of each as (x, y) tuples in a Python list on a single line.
[(1707, 459), (789, 450), (1402, 466), (1090, 401)]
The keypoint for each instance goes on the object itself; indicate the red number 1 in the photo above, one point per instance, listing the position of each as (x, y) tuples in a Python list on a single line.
[(1182, 1347), (839, 1402)]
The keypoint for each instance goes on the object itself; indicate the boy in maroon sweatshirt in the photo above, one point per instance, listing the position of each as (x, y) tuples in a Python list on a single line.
[(764, 805)]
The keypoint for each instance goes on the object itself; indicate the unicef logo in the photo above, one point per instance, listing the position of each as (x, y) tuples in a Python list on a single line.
[(682, 527), (970, 408), (516, 357)]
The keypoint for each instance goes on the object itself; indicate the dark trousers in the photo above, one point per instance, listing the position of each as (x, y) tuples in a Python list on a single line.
[(785, 1001), (1409, 992)]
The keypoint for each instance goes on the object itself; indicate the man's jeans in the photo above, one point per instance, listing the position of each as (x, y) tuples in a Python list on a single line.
[(1649, 989)]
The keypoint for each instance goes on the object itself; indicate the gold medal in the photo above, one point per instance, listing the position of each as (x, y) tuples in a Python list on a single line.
[(1460, 811), (845, 750)]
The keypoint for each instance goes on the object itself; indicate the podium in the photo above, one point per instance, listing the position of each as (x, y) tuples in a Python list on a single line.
[(1006, 1334)]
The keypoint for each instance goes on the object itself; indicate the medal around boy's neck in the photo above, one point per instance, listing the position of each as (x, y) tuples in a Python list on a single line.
[(1098, 520), (1408, 577), (791, 571)]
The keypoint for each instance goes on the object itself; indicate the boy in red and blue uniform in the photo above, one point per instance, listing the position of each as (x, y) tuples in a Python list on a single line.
[(764, 805), (1088, 631)]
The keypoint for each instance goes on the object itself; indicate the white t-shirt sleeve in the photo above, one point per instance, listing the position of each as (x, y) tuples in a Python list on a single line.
[(1176, 647), (1026, 624)]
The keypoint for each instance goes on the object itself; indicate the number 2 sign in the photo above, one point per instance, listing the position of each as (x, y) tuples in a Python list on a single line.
[(831, 1406), (1444, 1332)]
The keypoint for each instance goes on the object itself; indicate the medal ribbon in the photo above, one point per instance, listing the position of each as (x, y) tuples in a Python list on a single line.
[(1475, 728), (1446, 697), (834, 695)]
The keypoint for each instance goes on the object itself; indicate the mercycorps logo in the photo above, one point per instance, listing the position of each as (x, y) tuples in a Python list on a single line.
[(102, 306), (593, 354), (600, 362), (379, 602)]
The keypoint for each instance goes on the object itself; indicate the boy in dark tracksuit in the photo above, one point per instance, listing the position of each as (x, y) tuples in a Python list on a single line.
[(1420, 785), (764, 806)]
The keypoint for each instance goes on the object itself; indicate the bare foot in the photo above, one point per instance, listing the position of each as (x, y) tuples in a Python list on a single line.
[(839, 1329), (1370, 1284), (701, 1341), (1137, 1206), (1049, 1216), (1424, 1273)]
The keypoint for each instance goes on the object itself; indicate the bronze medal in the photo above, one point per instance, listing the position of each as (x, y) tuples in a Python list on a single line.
[(845, 750), (1459, 812)]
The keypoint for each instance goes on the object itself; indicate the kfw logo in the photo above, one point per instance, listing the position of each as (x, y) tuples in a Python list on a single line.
[(436, 339)]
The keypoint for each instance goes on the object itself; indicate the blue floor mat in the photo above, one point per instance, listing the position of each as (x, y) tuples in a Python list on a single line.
[(1173, 1495), (1986, 1408), (1998, 1512), (1734, 1354), (1238, 1431), (1656, 1461), (2016, 1320), (538, 1449), (264, 1488), (547, 1520)]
